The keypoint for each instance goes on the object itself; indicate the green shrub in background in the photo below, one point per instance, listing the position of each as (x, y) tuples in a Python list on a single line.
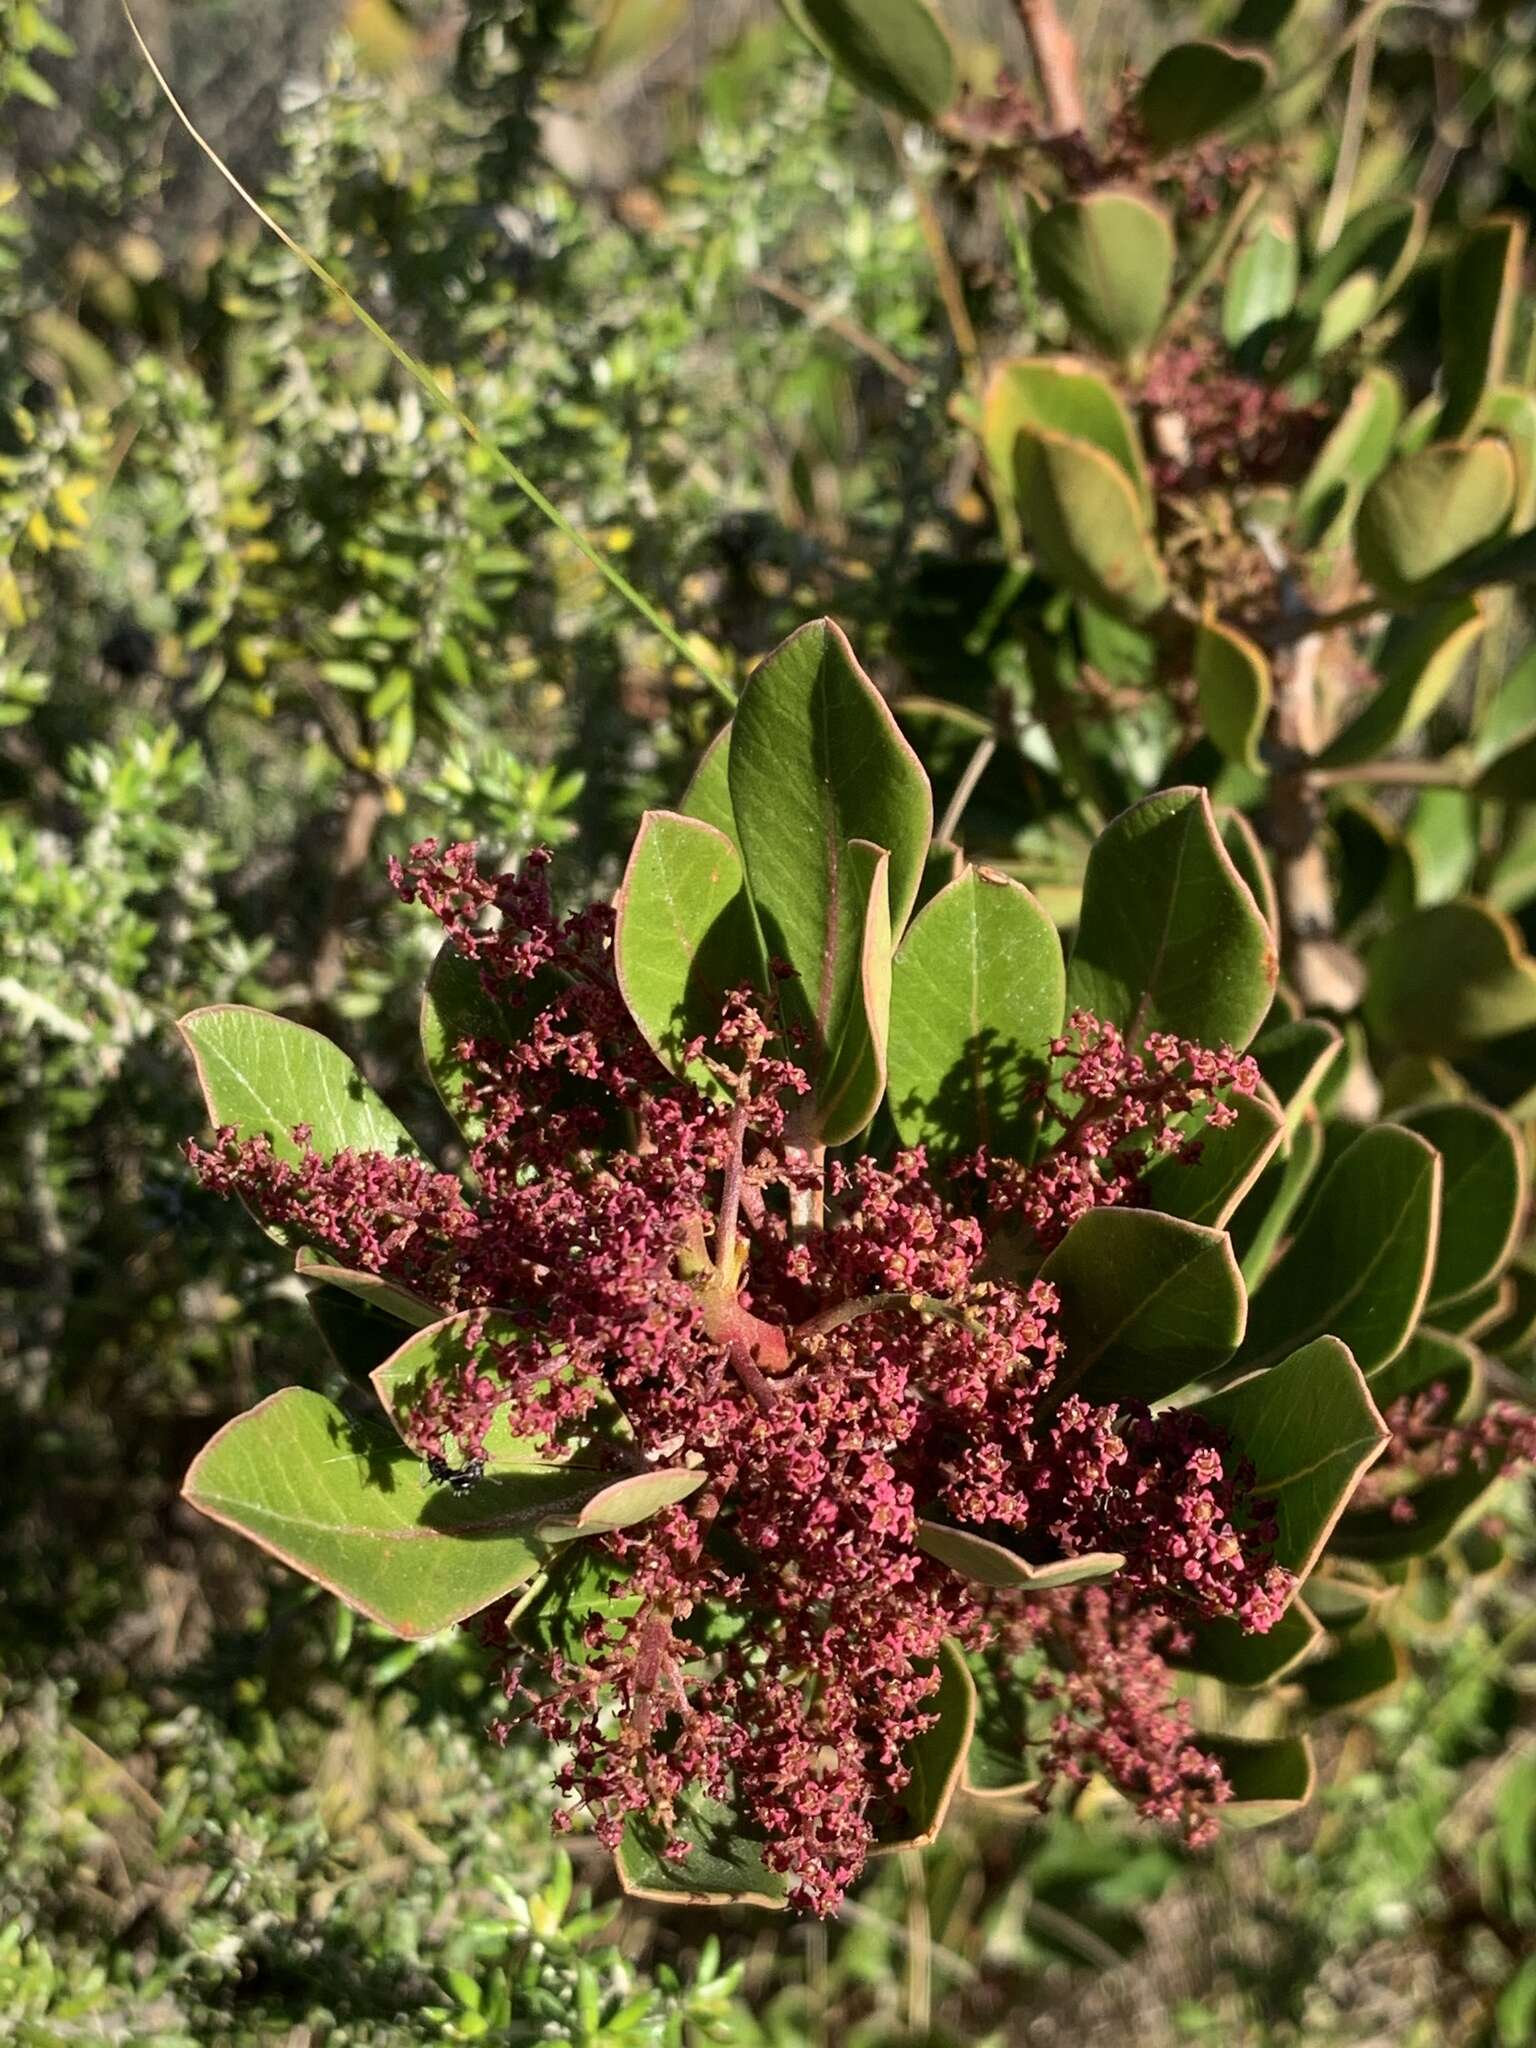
[(753, 460)]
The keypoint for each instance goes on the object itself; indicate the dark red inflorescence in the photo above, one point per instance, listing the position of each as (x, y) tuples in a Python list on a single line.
[(841, 1350)]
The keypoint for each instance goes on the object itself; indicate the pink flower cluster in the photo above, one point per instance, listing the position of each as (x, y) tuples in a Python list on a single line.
[(1427, 1445), (1106, 1114), (1209, 425), (838, 1349)]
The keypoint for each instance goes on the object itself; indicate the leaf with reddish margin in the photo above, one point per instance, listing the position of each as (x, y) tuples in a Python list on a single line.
[(1170, 937), (379, 1293), (265, 1075), (1358, 1267), (1309, 1429), (344, 1503), (993, 1564), (1148, 1303), (1224, 1650), (683, 937), (1208, 1189), (977, 995), (819, 769), (1269, 1780), (936, 1759)]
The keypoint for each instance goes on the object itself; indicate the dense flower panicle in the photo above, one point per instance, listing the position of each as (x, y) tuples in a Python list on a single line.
[(1428, 1443), (773, 1639), (1208, 424), (1007, 121), (1106, 1111)]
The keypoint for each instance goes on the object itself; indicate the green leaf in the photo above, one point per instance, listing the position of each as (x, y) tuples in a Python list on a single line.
[(1428, 510), (623, 1502), (1209, 1189), (264, 1075), (1011, 1724), (1224, 1650), (683, 937), (1429, 1358), (1356, 277), (1263, 1218), (993, 1564), (1438, 1509), (1295, 1057), (895, 50), (1261, 284), (1442, 841), (1309, 1428), (936, 1759), (1233, 679), (1269, 1780), (816, 763), (1343, 1595), (398, 1303), (724, 1865), (1511, 413), (853, 1079), (584, 1584), (1248, 857), (438, 1355), (708, 795), (344, 1504), (1108, 259), (1356, 451), (1480, 291), (1148, 1303), (1060, 395), (1504, 743), (1197, 88), (977, 995), (1483, 1198), (1418, 667), (1170, 937), (358, 1335), (1450, 977), (1358, 1266), (1363, 1667), (1081, 515)]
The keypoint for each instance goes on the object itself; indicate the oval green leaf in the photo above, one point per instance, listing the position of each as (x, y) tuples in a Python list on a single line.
[(1358, 1267), (1235, 692), (265, 1075), (816, 763), (1450, 977), (1198, 88), (1108, 259), (993, 1564), (344, 1504), (1429, 509), (1483, 1201), (1261, 285), (1418, 667), (1309, 1428), (1479, 294), (1060, 395), (1170, 937), (1148, 1304), (977, 994), (895, 50), (1081, 515), (936, 1759), (1208, 1189), (683, 937)]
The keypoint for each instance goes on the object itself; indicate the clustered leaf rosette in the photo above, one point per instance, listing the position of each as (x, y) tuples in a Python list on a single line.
[(869, 1355)]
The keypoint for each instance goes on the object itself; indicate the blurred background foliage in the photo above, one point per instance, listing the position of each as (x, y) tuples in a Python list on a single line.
[(265, 619)]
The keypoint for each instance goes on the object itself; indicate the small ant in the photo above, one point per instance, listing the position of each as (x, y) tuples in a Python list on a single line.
[(441, 1473)]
